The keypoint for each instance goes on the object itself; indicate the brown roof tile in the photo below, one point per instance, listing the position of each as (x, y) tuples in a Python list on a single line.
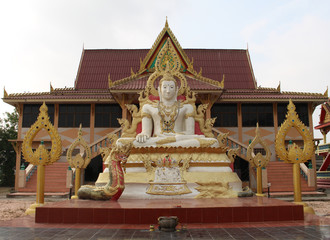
[(140, 83), (96, 65)]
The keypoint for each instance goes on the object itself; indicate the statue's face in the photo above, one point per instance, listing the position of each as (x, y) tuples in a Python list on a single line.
[(168, 90)]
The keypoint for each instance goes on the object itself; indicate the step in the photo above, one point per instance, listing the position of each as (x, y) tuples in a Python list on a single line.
[(304, 194), (280, 175), (55, 179)]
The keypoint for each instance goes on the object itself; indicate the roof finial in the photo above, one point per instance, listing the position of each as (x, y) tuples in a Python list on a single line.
[(166, 23), (326, 92), (110, 83), (279, 87), (5, 94)]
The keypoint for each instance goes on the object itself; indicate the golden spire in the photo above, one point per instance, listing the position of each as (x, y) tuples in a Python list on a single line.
[(142, 67), (279, 87), (5, 94), (110, 83), (51, 87), (132, 72), (222, 83), (166, 23), (326, 92)]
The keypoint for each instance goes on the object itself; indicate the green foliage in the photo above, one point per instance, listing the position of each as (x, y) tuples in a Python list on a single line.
[(8, 130)]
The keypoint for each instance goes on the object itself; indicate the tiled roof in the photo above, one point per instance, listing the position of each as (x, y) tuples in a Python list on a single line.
[(141, 82), (96, 65), (234, 64), (255, 94), (61, 94)]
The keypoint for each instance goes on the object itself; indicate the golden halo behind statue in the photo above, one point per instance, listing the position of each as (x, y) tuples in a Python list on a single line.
[(167, 62), (155, 75)]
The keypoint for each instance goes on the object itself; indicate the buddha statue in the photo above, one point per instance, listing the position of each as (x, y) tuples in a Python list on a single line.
[(169, 121)]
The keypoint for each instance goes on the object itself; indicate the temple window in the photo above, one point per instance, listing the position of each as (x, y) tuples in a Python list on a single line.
[(71, 115), (31, 112), (301, 109), (226, 115), (106, 115), (261, 113)]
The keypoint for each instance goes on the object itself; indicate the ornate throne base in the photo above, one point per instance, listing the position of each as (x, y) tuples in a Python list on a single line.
[(203, 175)]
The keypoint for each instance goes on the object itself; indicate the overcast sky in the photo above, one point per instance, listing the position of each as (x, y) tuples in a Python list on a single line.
[(42, 41)]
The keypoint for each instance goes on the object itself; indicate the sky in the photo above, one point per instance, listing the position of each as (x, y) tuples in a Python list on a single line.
[(42, 41)]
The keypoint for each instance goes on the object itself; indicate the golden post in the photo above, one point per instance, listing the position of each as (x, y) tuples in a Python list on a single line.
[(77, 183), (259, 182), (258, 160), (41, 156), (294, 154), (296, 182), (40, 184), (78, 162)]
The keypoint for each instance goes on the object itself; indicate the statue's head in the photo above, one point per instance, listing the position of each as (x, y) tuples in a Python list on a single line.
[(168, 88)]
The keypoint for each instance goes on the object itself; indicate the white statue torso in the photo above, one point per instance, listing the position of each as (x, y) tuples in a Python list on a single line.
[(184, 122)]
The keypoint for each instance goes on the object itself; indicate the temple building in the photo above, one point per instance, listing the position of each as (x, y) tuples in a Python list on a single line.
[(108, 79)]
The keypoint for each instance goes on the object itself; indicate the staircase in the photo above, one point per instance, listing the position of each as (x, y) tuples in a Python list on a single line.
[(55, 179), (280, 175)]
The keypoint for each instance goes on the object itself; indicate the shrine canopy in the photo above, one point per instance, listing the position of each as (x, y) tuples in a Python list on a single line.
[(324, 124)]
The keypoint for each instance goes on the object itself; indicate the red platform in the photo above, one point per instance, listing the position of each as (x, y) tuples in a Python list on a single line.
[(140, 211)]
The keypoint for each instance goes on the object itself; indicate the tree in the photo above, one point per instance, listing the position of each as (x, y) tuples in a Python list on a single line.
[(8, 130)]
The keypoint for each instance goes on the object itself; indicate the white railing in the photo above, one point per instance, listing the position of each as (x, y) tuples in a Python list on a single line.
[(308, 174)]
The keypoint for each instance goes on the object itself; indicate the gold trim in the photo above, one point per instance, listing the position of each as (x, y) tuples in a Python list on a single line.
[(167, 189), (205, 142), (42, 156), (166, 140), (258, 160), (294, 154), (110, 83), (5, 94), (78, 161), (129, 130), (179, 150), (126, 141), (204, 125), (172, 66), (209, 164), (326, 92)]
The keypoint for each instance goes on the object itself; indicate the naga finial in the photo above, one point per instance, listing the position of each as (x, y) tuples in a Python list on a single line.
[(78, 161), (42, 123), (258, 160), (294, 154)]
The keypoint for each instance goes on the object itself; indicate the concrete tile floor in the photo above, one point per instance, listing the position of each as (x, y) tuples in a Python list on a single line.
[(313, 227), (292, 232)]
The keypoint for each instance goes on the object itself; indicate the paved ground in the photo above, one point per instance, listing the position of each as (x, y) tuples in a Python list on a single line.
[(311, 228), (300, 232)]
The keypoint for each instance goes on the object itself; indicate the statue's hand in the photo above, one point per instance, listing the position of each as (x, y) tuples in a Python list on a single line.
[(142, 137)]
